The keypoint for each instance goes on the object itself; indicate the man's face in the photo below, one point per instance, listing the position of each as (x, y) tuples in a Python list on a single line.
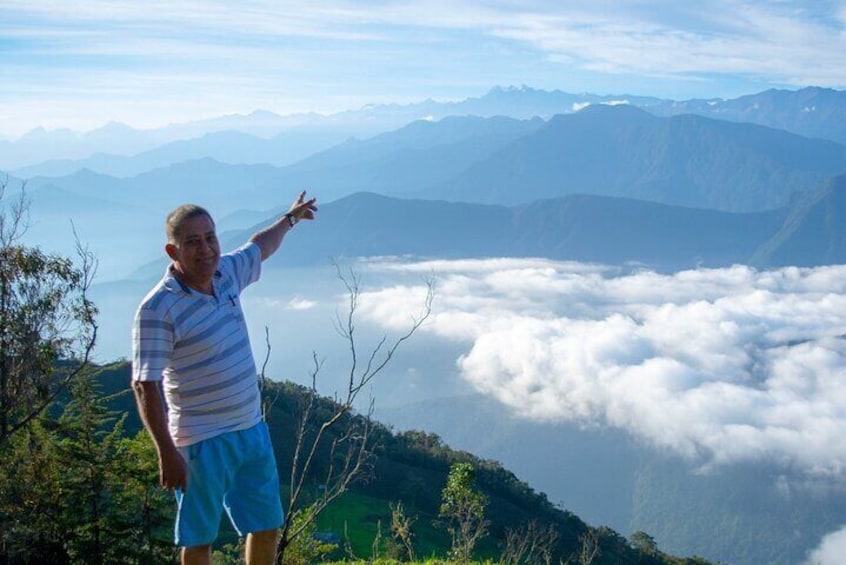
[(197, 253)]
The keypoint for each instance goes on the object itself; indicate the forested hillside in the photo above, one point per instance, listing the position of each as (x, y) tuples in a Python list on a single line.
[(123, 499)]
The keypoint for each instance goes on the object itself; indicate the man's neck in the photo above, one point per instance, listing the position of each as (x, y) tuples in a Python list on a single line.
[(203, 287)]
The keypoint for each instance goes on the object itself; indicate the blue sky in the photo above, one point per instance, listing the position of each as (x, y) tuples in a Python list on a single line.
[(82, 64)]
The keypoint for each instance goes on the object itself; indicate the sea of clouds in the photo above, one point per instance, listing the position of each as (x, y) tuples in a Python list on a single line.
[(717, 365)]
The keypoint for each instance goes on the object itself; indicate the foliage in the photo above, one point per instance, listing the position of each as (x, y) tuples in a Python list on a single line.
[(307, 547), (644, 543), (401, 529), (229, 554), (139, 514), (463, 511), (47, 327), (74, 489)]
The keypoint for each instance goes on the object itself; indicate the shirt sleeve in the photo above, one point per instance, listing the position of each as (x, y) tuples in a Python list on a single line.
[(152, 345), (245, 264)]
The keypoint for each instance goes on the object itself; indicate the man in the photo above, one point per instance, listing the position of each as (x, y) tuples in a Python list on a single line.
[(189, 335)]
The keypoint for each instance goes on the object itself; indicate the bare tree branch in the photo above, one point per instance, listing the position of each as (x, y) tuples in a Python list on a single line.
[(15, 222), (350, 446)]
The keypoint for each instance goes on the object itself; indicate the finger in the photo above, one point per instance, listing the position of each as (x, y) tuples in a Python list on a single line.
[(306, 206)]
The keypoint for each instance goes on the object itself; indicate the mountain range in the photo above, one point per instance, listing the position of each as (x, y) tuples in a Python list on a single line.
[(608, 183), (579, 227), (624, 151), (615, 151), (811, 112)]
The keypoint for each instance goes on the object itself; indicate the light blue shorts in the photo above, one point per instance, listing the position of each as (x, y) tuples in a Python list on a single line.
[(235, 472)]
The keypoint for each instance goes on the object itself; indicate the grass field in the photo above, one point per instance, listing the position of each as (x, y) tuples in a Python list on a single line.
[(357, 518)]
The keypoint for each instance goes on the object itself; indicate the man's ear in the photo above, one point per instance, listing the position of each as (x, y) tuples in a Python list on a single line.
[(171, 250)]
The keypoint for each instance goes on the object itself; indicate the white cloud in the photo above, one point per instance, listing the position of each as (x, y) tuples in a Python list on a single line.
[(721, 365), (665, 38), (332, 56), (296, 303), (831, 550), (656, 37)]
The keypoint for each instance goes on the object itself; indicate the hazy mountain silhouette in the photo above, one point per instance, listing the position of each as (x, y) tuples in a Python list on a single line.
[(619, 230), (230, 147), (413, 158), (814, 232), (812, 112), (623, 151), (554, 175), (215, 185), (418, 155), (576, 227), (63, 151), (88, 184)]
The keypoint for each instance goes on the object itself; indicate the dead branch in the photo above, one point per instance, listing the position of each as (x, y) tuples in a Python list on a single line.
[(351, 448)]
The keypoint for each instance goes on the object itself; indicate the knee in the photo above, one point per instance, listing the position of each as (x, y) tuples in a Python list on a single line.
[(266, 536), (199, 554)]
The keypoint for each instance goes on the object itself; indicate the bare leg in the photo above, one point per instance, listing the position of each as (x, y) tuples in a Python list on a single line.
[(197, 555), (261, 547)]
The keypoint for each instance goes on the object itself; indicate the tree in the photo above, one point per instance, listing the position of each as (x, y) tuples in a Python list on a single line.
[(86, 438), (32, 500), (47, 325), (590, 541), (339, 430), (73, 489), (644, 543), (143, 529), (463, 511), (532, 543), (401, 529)]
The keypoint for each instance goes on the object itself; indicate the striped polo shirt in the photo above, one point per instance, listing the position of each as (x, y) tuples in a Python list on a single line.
[(198, 346)]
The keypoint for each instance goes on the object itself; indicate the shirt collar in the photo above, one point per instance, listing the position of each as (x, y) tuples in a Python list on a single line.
[(175, 285)]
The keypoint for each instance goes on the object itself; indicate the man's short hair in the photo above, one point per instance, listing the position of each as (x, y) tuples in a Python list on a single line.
[(174, 220)]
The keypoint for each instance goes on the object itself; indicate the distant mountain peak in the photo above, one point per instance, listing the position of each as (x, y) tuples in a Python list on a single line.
[(115, 126), (511, 88), (616, 108), (41, 133), (263, 114)]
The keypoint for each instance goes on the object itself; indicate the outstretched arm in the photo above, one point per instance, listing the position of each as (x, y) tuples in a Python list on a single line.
[(270, 238)]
